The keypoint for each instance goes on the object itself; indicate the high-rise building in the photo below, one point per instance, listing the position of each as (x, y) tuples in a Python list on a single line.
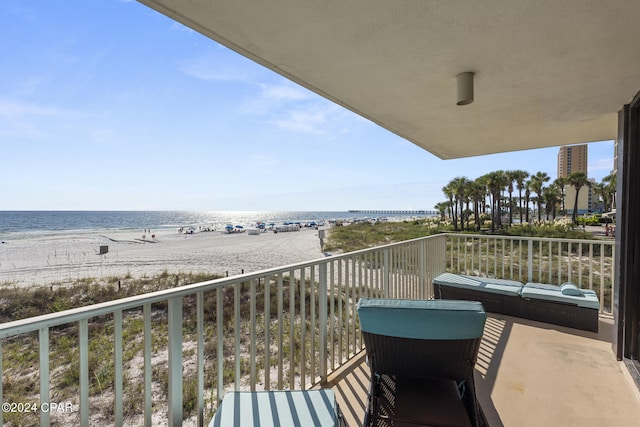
[(572, 158)]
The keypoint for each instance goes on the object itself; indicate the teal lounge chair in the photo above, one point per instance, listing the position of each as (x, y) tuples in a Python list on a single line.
[(422, 355)]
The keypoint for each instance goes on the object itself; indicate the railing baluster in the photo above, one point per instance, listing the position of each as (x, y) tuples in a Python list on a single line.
[(550, 260), (83, 389), (322, 344), (540, 256), (146, 310), (495, 256), (313, 328), (303, 328), (569, 263), (43, 340), (559, 268), (503, 255), (591, 264), (465, 254), (175, 362), (385, 273), (530, 260), (580, 263), (200, 355), (237, 289), (252, 343), (340, 312), (117, 378), (292, 330), (352, 306), (220, 338), (473, 255), (510, 258), (280, 333), (422, 268), (611, 277), (267, 333)]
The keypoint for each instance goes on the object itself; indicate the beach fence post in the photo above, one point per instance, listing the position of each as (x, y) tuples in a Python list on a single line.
[(321, 237)]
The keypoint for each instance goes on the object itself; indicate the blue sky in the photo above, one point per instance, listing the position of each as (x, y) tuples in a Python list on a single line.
[(108, 105)]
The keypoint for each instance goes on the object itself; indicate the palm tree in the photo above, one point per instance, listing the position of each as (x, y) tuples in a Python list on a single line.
[(519, 176), (611, 182), (599, 189), (495, 182), (510, 179), (477, 193), (537, 184), (459, 186), (552, 197), (442, 208), (577, 180), (560, 182), (448, 192), (527, 196)]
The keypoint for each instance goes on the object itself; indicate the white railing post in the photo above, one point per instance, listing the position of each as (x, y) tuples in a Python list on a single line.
[(220, 347), (323, 324), (530, 260), (83, 342), (175, 362), (200, 357), (422, 269), (147, 365), (118, 376), (386, 273), (43, 339)]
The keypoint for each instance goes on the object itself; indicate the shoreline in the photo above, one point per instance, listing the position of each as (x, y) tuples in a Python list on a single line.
[(62, 259)]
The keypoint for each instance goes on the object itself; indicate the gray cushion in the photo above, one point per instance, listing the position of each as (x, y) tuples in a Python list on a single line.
[(586, 298), (422, 319), (277, 408), (496, 286)]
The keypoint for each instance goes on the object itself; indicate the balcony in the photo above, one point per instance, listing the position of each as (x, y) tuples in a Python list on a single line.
[(171, 355)]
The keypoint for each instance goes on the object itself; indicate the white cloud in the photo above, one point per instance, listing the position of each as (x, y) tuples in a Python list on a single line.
[(311, 118), (211, 68), (601, 164), (285, 92)]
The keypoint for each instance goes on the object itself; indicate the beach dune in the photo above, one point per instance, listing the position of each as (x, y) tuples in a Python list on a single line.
[(64, 259)]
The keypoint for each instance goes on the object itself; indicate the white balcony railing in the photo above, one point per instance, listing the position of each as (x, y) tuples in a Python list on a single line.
[(174, 353), (586, 263)]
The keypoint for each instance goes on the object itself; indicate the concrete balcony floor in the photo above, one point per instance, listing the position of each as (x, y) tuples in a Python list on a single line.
[(531, 374)]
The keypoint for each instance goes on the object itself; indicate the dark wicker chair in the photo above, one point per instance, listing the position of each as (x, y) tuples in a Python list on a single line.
[(422, 355)]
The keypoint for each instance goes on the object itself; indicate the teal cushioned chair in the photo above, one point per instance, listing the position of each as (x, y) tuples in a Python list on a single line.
[(422, 355)]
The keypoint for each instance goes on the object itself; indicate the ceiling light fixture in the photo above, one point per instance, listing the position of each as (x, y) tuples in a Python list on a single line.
[(465, 88)]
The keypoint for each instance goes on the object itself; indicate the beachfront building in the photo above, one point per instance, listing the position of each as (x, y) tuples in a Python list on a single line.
[(458, 79), (571, 159), (585, 198)]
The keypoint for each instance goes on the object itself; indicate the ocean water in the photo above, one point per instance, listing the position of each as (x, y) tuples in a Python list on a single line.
[(31, 224)]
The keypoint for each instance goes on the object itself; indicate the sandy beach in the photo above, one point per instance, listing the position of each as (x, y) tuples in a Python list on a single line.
[(64, 259)]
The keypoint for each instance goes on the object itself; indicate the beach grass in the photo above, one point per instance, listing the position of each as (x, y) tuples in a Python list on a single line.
[(362, 235)]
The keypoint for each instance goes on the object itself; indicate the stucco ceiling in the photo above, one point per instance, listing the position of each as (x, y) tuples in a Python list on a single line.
[(548, 72)]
